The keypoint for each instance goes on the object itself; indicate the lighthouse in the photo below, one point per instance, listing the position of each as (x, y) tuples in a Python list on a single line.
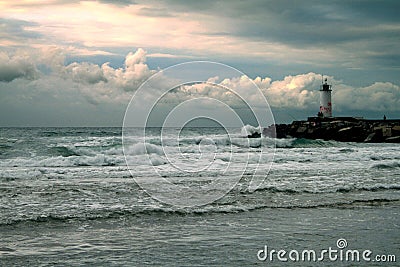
[(325, 108)]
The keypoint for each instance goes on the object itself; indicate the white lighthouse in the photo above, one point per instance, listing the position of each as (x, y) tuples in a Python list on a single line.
[(325, 108)]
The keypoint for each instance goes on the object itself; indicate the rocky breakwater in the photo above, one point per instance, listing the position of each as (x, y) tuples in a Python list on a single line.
[(344, 129)]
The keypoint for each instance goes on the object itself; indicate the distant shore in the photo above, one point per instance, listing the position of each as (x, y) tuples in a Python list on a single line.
[(344, 129)]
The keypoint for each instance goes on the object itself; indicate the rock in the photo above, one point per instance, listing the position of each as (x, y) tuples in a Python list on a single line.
[(370, 138), (394, 139), (254, 135), (270, 131), (301, 129), (350, 134), (344, 129), (347, 129)]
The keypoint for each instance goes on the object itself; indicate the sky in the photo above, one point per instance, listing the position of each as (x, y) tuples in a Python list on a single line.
[(79, 63)]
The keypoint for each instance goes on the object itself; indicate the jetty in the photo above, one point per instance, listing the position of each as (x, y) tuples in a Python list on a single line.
[(345, 129)]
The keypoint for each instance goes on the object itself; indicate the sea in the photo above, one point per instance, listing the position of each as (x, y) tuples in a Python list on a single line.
[(71, 197)]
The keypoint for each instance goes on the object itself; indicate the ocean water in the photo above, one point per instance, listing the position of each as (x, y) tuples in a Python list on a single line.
[(67, 197)]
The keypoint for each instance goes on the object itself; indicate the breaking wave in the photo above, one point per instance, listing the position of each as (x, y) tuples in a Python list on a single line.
[(142, 149), (249, 130), (63, 151), (304, 143), (122, 212)]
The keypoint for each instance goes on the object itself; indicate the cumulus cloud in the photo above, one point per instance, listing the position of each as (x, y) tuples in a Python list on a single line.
[(104, 83), (380, 96), (301, 92), (87, 84), (292, 92), (129, 77), (96, 83), (16, 66), (85, 72), (135, 72)]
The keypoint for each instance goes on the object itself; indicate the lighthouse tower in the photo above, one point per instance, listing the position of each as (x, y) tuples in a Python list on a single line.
[(325, 107)]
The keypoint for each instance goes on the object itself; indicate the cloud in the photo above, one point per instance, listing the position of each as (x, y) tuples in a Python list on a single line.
[(128, 77), (155, 12), (166, 55), (301, 23), (354, 34), (85, 72), (79, 51), (95, 83), (134, 73), (380, 96), (293, 92), (298, 92), (301, 92), (92, 88), (17, 31), (118, 2), (17, 66)]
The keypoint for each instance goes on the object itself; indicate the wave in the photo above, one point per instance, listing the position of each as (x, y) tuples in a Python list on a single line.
[(72, 156), (63, 151), (244, 142), (386, 165), (384, 157), (80, 131), (227, 208), (345, 189), (305, 143), (4, 147), (346, 150), (142, 149), (62, 161), (249, 130), (219, 141)]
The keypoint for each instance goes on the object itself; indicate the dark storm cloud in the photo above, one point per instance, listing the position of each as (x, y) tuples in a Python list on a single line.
[(316, 23), (296, 11), (353, 27), (303, 22), (392, 60), (379, 11)]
